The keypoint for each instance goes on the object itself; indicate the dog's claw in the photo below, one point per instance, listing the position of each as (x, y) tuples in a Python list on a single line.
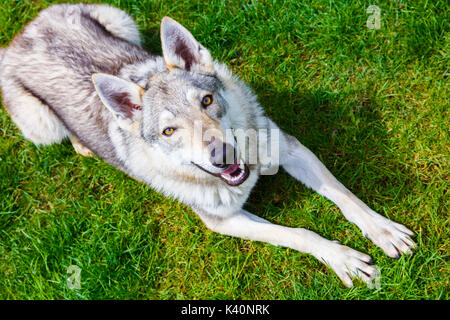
[(393, 238), (349, 264)]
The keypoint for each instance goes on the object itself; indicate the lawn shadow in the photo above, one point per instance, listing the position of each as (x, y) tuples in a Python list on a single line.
[(348, 137)]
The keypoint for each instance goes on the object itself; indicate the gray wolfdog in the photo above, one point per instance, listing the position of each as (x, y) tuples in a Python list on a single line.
[(181, 123)]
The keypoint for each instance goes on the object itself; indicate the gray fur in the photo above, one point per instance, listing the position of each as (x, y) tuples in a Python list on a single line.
[(78, 71), (49, 60)]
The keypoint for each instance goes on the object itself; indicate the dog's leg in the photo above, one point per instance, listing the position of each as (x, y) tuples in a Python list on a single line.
[(346, 262), (34, 118), (79, 147), (302, 164)]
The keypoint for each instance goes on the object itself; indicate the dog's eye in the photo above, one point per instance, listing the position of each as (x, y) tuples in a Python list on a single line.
[(207, 100), (168, 131)]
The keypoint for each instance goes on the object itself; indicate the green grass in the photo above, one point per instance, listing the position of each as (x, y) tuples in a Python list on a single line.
[(372, 104)]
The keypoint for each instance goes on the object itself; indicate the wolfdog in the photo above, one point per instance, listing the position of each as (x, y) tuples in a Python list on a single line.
[(181, 123)]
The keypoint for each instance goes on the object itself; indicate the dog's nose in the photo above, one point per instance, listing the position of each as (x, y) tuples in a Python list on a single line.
[(222, 154)]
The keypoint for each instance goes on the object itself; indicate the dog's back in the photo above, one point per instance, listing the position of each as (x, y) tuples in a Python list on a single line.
[(46, 73)]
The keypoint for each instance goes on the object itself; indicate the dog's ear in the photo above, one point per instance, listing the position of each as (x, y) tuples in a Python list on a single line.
[(123, 98), (181, 50)]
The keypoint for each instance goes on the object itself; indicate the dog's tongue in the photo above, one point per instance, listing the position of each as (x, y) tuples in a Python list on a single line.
[(235, 174), (231, 169)]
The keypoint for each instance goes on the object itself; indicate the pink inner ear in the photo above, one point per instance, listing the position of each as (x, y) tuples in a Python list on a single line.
[(185, 52), (123, 104)]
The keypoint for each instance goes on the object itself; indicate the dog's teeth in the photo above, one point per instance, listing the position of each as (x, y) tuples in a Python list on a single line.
[(234, 179)]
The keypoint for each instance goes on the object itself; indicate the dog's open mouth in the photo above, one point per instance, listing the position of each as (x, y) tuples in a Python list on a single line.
[(234, 175)]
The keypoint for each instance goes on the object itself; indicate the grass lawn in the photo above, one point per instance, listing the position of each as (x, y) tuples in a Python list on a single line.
[(373, 104)]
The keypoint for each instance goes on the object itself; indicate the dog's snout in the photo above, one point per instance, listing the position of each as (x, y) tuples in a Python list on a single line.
[(222, 154)]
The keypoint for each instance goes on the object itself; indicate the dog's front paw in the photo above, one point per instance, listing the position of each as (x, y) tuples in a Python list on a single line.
[(349, 264), (393, 238)]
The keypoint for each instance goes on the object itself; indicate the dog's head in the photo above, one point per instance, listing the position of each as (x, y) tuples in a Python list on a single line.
[(184, 111)]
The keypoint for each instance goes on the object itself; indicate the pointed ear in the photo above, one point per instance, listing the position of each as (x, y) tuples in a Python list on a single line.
[(181, 50), (123, 98)]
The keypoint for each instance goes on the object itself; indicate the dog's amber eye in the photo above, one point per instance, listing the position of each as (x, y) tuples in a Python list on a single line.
[(168, 131), (207, 100)]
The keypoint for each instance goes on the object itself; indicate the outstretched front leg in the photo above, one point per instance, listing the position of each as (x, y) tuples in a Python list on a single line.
[(346, 262), (302, 164)]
